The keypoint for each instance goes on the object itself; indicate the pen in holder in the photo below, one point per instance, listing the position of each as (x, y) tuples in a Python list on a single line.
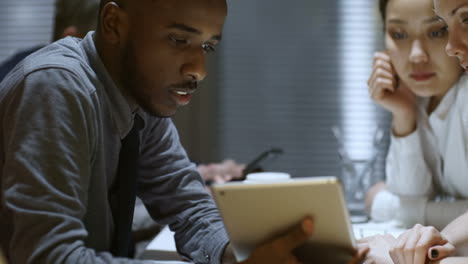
[(357, 174)]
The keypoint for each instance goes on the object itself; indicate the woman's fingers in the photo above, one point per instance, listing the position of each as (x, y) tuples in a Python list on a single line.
[(419, 243), (396, 253), (440, 252), (429, 237), (383, 56), (382, 78), (409, 249)]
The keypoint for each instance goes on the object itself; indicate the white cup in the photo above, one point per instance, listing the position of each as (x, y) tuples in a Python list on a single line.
[(267, 177)]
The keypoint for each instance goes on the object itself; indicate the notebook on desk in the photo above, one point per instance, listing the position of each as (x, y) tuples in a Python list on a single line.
[(255, 213)]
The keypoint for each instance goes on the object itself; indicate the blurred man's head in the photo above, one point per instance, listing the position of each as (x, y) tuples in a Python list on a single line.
[(75, 17), (156, 49)]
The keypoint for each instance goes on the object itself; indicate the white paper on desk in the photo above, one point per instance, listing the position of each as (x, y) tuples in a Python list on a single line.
[(163, 241), (373, 228), (162, 248)]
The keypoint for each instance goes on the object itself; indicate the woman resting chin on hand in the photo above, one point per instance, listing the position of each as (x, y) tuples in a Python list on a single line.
[(426, 92)]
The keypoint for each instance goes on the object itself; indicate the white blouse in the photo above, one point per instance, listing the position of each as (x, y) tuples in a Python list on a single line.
[(427, 171)]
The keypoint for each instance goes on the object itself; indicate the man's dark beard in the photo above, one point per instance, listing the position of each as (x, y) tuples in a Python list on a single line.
[(134, 85)]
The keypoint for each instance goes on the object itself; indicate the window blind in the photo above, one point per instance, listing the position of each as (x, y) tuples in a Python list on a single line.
[(24, 24), (292, 70)]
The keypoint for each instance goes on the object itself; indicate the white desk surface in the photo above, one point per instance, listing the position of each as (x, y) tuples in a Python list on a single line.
[(163, 248), (373, 228)]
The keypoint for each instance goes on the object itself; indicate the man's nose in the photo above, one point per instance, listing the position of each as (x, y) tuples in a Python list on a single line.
[(194, 68)]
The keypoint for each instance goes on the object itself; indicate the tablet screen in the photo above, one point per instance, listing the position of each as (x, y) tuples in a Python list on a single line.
[(257, 212)]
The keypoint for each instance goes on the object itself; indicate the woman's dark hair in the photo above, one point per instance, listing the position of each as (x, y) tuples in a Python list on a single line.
[(383, 9)]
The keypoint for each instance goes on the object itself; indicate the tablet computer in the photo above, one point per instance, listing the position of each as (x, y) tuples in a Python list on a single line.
[(254, 213)]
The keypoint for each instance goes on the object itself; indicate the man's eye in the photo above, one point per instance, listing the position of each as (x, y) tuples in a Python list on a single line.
[(398, 35), (178, 40), (208, 48)]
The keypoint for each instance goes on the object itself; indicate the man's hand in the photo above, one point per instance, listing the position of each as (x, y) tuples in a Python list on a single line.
[(280, 250), (360, 254)]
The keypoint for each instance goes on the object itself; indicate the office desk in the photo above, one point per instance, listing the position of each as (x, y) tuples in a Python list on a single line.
[(163, 248)]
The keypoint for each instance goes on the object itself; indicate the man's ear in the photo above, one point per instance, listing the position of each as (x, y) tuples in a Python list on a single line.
[(114, 23)]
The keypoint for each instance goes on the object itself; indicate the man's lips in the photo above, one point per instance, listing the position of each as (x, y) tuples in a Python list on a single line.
[(422, 76), (184, 88), (183, 93), (181, 98)]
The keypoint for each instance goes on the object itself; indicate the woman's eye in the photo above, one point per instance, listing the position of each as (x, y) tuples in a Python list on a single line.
[(208, 48), (398, 35), (178, 40), (438, 33)]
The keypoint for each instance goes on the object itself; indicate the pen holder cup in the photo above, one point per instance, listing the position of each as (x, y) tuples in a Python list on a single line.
[(357, 177)]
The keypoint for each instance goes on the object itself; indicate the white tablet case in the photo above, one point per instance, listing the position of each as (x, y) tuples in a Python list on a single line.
[(255, 213)]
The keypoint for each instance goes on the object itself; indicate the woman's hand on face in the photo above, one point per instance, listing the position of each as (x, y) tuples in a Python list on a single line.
[(386, 89), (421, 244)]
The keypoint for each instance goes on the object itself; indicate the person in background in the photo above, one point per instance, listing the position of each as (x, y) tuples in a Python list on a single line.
[(426, 244), (72, 18), (221, 172), (426, 92)]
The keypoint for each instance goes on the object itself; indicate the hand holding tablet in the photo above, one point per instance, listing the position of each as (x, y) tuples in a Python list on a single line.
[(258, 213)]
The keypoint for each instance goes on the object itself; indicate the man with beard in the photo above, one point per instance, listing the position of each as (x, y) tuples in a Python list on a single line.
[(75, 18), (85, 129)]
